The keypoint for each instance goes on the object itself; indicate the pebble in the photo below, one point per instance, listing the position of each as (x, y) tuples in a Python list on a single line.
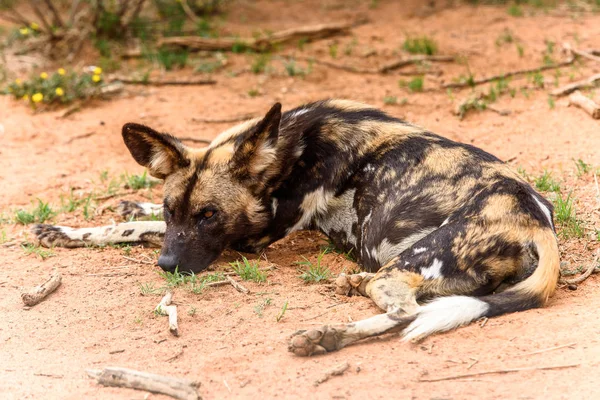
[(572, 287)]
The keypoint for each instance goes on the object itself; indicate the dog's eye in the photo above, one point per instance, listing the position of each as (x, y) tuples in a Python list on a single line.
[(208, 214)]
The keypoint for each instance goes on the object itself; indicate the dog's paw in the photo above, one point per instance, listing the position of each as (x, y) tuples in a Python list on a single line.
[(317, 341), (352, 285), (55, 236), (130, 209)]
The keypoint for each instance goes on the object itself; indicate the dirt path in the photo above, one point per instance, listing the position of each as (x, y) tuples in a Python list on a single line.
[(99, 316)]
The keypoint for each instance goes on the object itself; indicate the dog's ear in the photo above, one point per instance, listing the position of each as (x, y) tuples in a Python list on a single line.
[(255, 151), (161, 153)]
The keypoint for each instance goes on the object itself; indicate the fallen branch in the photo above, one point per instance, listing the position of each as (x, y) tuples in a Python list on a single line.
[(518, 72), (586, 54), (335, 371), (152, 82), (177, 388), (591, 269), (39, 293), (571, 87), (237, 118), (164, 308), (585, 103), (497, 371), (237, 286), (379, 70), (306, 33)]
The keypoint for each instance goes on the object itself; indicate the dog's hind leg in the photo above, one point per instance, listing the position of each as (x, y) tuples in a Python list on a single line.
[(141, 232), (353, 285)]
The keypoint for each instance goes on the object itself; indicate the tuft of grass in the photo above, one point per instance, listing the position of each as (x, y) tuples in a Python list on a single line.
[(38, 251), (515, 10), (192, 311), (505, 37), (582, 167), (282, 312), (260, 63), (314, 272), (414, 85), (293, 69), (171, 59), (537, 78), (333, 50), (564, 210), (546, 183), (248, 271), (40, 214), (330, 248), (253, 92), (390, 100), (520, 50), (176, 278), (420, 45), (551, 102), (260, 307), (148, 289), (137, 182), (70, 204)]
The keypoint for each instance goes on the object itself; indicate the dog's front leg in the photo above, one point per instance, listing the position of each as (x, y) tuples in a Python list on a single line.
[(140, 232)]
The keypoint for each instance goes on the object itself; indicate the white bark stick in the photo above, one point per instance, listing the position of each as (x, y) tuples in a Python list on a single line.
[(165, 308), (39, 293), (585, 103), (177, 388)]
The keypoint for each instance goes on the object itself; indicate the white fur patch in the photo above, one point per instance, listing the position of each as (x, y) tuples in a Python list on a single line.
[(420, 250), (340, 216), (443, 314), (433, 271), (545, 210), (274, 204), (126, 232), (151, 208), (387, 250), (313, 204), (445, 222)]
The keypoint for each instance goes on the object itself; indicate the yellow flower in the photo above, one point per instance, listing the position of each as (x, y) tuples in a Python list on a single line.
[(97, 71), (44, 75), (26, 97), (18, 81), (59, 91), (61, 71), (96, 78), (34, 26), (37, 97), (24, 31)]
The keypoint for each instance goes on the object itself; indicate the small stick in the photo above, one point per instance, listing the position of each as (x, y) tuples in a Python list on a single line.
[(335, 371), (188, 11), (380, 70), (176, 356), (548, 349), (40, 292), (571, 87), (237, 286), (139, 261), (164, 308), (82, 136), (177, 388), (507, 75), (498, 371), (585, 54), (152, 82), (475, 361), (585, 103), (583, 276), (237, 118)]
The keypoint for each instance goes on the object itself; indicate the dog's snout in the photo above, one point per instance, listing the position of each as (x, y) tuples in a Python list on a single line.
[(168, 262)]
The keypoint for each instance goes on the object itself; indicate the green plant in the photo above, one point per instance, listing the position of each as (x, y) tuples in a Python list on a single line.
[(520, 50), (293, 69), (505, 37), (137, 182), (537, 78), (390, 100), (40, 214), (420, 45), (170, 58), (59, 88), (192, 311), (282, 312), (248, 271), (333, 50), (564, 210), (148, 289), (515, 10), (176, 278), (314, 272), (260, 63), (259, 308), (551, 102), (330, 248), (71, 203), (582, 167), (253, 92), (546, 183), (416, 84), (33, 249)]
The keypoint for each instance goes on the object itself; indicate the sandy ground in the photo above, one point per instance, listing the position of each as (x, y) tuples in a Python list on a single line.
[(99, 317)]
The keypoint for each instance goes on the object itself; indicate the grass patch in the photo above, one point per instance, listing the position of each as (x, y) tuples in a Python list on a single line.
[(515, 10), (137, 182), (546, 183), (248, 271), (564, 210), (260, 63), (292, 68), (148, 289), (40, 214), (582, 167), (390, 100), (282, 312), (37, 250), (260, 307), (420, 45), (330, 248), (314, 272), (414, 85)]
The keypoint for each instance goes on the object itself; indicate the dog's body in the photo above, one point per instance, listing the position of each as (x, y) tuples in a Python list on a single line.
[(427, 217)]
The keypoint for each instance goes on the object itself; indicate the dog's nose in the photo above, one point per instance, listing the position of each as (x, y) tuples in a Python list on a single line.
[(168, 262)]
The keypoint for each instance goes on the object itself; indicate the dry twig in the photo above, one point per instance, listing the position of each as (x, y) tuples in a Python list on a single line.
[(165, 308), (39, 293), (335, 371), (585, 103), (548, 349), (177, 388), (163, 82), (237, 118), (497, 371), (571, 87), (591, 269), (308, 33), (237, 285), (379, 70)]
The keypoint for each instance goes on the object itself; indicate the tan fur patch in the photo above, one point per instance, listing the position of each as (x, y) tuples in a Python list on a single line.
[(348, 105), (234, 132)]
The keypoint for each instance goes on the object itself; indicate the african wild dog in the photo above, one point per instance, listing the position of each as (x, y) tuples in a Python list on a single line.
[(446, 232)]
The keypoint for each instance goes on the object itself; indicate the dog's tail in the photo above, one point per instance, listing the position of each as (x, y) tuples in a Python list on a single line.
[(450, 312)]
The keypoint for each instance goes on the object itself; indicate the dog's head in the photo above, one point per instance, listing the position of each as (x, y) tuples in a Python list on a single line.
[(213, 196)]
